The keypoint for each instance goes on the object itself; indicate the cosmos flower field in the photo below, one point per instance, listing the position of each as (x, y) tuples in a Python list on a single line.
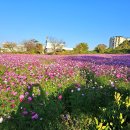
[(53, 92)]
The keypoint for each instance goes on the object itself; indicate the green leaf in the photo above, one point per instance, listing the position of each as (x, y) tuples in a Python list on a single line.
[(122, 121), (103, 127), (121, 116), (96, 120), (100, 125), (111, 123)]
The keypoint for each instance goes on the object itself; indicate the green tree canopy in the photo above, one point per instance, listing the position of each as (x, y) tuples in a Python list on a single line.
[(101, 48), (33, 46), (81, 48), (39, 48), (124, 45)]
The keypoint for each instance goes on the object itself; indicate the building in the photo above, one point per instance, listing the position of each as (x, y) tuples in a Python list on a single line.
[(67, 49), (116, 41), (20, 48), (50, 47)]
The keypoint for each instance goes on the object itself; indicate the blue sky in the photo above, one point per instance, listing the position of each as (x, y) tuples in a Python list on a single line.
[(74, 21)]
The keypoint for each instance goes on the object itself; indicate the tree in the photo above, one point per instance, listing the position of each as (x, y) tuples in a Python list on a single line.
[(81, 48), (39, 48), (54, 44), (33, 46), (101, 48), (124, 45), (10, 46), (30, 45)]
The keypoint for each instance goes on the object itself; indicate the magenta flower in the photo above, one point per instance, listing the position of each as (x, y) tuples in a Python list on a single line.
[(8, 89), (29, 98), (14, 93), (118, 75), (26, 93), (47, 93), (24, 113), (21, 97), (35, 116), (78, 85), (29, 87), (60, 97), (12, 83)]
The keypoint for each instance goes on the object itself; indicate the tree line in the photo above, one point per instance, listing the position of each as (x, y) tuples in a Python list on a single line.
[(57, 47)]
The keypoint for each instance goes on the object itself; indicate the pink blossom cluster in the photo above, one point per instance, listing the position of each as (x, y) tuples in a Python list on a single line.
[(24, 69)]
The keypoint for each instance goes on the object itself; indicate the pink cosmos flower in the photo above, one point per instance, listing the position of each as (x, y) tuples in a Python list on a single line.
[(14, 93), (24, 112), (60, 97), (26, 93), (47, 93), (8, 89), (21, 97), (35, 116), (29, 87), (118, 75), (12, 83), (29, 98), (77, 85)]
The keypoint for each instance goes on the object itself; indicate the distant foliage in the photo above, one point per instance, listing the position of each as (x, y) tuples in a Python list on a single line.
[(39, 48), (10, 46), (123, 48), (101, 48), (124, 45), (81, 48), (33, 46)]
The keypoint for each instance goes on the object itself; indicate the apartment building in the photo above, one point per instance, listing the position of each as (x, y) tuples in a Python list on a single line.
[(116, 41)]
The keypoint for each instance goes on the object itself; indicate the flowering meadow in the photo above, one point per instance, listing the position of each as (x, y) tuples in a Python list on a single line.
[(53, 92)]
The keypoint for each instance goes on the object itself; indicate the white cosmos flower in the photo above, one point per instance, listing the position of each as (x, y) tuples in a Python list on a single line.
[(101, 87), (83, 94), (5, 81), (72, 91), (78, 89), (41, 119), (1, 119)]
